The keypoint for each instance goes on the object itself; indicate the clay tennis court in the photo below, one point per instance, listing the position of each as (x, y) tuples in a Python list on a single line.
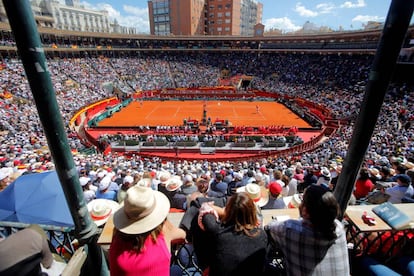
[(238, 113)]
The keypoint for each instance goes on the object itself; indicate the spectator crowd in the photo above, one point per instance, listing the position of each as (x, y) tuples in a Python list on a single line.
[(333, 81)]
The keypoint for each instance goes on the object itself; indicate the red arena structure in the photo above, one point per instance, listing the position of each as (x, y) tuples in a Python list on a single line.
[(215, 123)]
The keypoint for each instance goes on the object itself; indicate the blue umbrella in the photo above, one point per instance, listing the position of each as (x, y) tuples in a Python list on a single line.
[(36, 198)]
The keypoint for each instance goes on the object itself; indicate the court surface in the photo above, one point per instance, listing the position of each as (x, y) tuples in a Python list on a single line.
[(173, 113)]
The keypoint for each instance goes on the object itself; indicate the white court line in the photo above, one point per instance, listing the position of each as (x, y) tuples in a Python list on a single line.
[(176, 112), (153, 111), (235, 112)]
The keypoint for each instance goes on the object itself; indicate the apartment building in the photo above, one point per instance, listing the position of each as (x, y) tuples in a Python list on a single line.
[(204, 17)]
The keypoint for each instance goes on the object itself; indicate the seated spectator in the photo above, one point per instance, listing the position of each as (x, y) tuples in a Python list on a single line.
[(235, 183), (86, 184), (363, 185), (104, 191), (127, 183), (101, 209), (173, 193), (309, 179), (324, 178), (141, 244), (315, 244), (275, 198), (4, 179), (218, 188), (26, 252), (374, 175), (293, 182), (403, 188), (237, 244), (188, 185)]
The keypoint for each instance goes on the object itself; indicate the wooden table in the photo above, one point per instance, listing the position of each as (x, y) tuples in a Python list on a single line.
[(354, 214), (279, 214), (369, 238)]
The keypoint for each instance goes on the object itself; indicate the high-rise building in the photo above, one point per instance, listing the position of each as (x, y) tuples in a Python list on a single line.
[(204, 17)]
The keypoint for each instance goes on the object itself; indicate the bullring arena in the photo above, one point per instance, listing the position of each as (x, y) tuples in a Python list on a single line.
[(171, 104)]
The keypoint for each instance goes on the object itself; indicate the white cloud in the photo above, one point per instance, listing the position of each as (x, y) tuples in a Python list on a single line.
[(325, 8), (283, 23), (135, 17), (366, 18), (350, 5), (303, 11), (130, 17)]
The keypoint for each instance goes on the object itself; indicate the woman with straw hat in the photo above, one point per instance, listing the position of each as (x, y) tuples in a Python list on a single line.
[(142, 236)]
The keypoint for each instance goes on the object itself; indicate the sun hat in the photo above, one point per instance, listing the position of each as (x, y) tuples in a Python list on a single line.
[(83, 180), (128, 179), (101, 209), (409, 165), (143, 209), (259, 194), (144, 182), (104, 183), (295, 201), (164, 176), (374, 172), (325, 172), (173, 184)]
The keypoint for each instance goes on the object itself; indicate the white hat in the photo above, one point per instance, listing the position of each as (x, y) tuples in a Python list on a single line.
[(238, 175), (143, 209), (101, 209), (258, 193), (104, 183), (128, 179), (164, 176), (325, 172), (144, 182), (84, 180), (3, 175), (173, 184)]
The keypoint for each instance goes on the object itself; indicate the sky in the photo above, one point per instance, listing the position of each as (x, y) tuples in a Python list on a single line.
[(285, 15)]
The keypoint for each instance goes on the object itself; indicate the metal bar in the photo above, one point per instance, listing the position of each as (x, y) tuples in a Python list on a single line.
[(31, 52), (393, 34)]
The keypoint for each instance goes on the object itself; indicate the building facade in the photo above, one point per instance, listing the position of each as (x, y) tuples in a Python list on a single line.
[(204, 17), (71, 16)]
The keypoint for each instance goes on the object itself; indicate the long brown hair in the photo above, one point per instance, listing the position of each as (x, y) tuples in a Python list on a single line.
[(138, 240), (322, 208), (241, 212)]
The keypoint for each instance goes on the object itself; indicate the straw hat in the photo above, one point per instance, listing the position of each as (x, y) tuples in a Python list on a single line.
[(325, 172), (164, 176), (143, 209), (101, 209), (259, 194), (173, 184)]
